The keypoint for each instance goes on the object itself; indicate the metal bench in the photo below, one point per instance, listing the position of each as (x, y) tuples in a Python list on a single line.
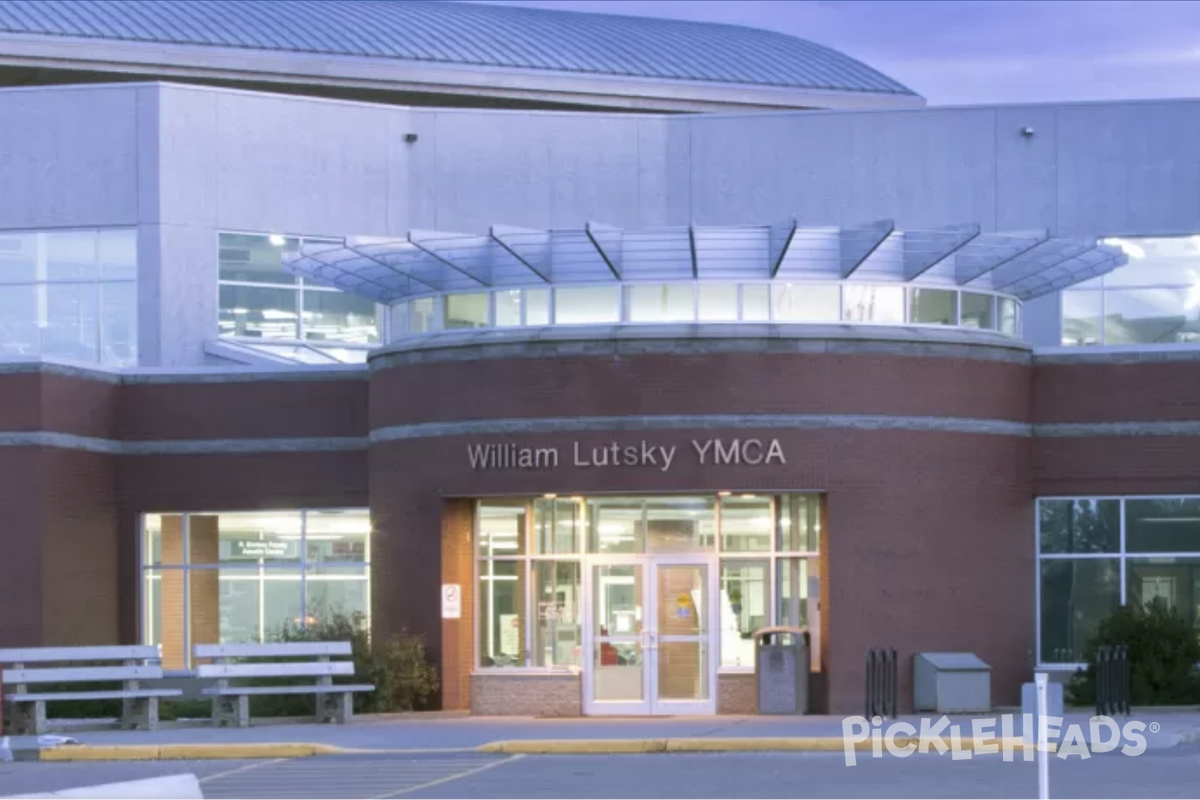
[(231, 704), (26, 710)]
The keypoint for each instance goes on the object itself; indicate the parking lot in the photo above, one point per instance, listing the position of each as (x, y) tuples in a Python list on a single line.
[(1162, 773)]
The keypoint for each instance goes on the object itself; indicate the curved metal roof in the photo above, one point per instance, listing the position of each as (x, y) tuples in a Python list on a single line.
[(1025, 264), (463, 34)]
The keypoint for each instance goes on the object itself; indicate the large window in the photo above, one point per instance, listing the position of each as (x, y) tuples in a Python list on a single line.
[(809, 302), (260, 301), (1096, 553), (69, 294), (532, 554), (1154, 299), (214, 578)]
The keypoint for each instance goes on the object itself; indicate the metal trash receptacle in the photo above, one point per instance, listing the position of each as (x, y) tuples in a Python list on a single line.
[(781, 670), (950, 683)]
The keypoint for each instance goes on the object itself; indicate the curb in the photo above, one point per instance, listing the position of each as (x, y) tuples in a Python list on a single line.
[(241, 752), (178, 752)]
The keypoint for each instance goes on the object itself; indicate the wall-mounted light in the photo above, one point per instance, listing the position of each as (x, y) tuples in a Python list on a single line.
[(1027, 132), (410, 137), (277, 240)]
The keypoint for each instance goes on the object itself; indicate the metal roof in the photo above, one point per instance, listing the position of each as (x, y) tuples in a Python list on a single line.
[(1025, 264), (463, 34)]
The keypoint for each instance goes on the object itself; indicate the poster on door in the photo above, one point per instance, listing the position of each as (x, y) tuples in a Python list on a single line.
[(510, 635)]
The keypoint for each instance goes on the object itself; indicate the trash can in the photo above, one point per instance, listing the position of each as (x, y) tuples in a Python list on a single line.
[(951, 683), (781, 670)]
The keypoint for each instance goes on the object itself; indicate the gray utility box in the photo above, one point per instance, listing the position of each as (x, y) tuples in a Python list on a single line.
[(781, 670), (951, 683)]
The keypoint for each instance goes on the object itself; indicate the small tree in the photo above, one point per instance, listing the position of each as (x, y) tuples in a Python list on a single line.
[(1164, 651)]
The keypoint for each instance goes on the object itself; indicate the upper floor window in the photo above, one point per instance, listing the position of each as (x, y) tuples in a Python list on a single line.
[(69, 294), (1154, 299), (259, 300)]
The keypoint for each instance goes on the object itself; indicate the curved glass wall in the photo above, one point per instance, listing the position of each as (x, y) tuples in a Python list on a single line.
[(709, 302)]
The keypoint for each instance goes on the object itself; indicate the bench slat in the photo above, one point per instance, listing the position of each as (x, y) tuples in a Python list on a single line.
[(278, 650), (81, 674), (257, 690), (114, 695), (39, 655), (285, 670)]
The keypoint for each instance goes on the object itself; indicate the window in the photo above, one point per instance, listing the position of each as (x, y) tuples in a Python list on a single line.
[(805, 302), (465, 311), (70, 295), (718, 302), (259, 300), (1153, 299), (1098, 553), (219, 577), (977, 311), (756, 302), (533, 555), (507, 638), (665, 302), (589, 305), (883, 304), (508, 308), (933, 306)]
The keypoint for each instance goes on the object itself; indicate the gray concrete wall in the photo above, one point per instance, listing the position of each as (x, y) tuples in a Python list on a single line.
[(185, 163)]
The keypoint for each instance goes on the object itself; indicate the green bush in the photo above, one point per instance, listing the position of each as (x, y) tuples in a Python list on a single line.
[(1164, 651), (398, 666)]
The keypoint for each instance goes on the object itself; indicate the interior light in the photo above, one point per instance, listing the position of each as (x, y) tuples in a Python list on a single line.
[(549, 496), (577, 499), (277, 240), (724, 494), (749, 496)]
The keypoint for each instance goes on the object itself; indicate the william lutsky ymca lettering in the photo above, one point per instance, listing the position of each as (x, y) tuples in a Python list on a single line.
[(617, 454)]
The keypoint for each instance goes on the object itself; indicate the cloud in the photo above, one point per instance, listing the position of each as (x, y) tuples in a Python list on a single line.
[(983, 51)]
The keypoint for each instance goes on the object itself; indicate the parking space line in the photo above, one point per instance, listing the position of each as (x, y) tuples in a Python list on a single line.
[(448, 778), (243, 768)]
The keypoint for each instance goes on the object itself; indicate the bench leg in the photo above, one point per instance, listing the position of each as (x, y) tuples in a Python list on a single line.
[(25, 719), (139, 713), (231, 710), (337, 707)]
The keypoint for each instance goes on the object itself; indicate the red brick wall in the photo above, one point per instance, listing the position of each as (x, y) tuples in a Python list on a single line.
[(929, 541), (1079, 393), (718, 383)]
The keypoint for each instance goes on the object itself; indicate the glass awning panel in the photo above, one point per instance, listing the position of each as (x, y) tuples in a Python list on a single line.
[(431, 262)]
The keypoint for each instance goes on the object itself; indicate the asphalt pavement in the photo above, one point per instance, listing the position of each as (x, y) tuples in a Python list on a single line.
[(1158, 773)]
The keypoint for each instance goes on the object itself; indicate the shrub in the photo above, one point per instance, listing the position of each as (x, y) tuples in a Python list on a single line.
[(1164, 651), (397, 665)]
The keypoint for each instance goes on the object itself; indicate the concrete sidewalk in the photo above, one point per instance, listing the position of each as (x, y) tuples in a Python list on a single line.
[(442, 733)]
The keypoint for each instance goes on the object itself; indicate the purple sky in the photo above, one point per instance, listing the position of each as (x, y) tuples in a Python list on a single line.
[(984, 51)]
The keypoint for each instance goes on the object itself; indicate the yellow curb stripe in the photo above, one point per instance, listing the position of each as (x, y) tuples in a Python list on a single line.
[(575, 746), (100, 753)]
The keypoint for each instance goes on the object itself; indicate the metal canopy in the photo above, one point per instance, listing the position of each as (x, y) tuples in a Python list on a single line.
[(1025, 264)]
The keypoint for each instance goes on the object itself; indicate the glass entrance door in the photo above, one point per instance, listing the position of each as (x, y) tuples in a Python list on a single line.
[(650, 647)]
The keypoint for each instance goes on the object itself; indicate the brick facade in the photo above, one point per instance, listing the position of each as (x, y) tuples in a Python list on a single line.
[(526, 695), (927, 534)]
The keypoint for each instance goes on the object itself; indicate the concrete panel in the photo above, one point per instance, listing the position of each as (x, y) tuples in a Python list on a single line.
[(302, 166), (921, 169), (534, 169), (1129, 168), (177, 293), (188, 143), (1043, 321), (664, 158), (68, 157), (1026, 168)]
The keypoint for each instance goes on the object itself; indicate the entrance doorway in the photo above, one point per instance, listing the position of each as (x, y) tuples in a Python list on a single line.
[(649, 634)]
